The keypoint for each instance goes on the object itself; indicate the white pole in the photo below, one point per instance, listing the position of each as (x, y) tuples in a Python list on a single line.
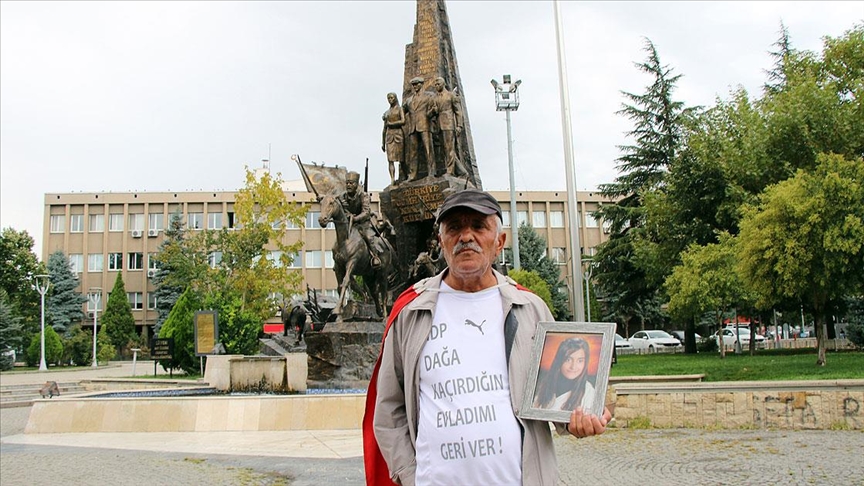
[(94, 299), (575, 246), (42, 289), (513, 219)]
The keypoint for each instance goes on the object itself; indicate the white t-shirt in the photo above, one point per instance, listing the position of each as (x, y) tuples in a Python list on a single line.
[(467, 432)]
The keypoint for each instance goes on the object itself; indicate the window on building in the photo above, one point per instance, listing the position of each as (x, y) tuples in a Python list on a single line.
[(91, 296), (328, 259), (521, 218), (151, 262), (312, 220), (95, 262), (214, 259), (291, 224), (590, 220), (505, 218), (297, 260), (97, 223), (314, 258), (115, 261), (156, 221), (136, 222), (607, 226), (538, 219), (136, 300), (76, 223), (559, 255), (58, 223), (232, 222), (556, 219), (331, 293), (195, 220), (115, 222), (214, 221), (275, 257), (76, 262), (151, 300), (136, 261)]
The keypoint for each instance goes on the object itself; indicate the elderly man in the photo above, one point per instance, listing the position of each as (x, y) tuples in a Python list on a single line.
[(418, 108), (357, 203), (453, 369)]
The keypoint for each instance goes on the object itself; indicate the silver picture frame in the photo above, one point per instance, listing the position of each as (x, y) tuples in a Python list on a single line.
[(548, 372)]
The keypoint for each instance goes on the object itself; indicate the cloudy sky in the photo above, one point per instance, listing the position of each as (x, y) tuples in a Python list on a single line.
[(158, 96)]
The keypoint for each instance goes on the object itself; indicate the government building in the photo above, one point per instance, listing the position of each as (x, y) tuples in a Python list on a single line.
[(108, 232)]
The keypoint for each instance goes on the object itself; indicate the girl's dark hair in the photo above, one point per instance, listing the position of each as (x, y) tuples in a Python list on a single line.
[(551, 383)]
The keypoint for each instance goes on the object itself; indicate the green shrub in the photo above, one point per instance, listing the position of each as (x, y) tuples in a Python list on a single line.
[(105, 350), (78, 347), (855, 334), (53, 348)]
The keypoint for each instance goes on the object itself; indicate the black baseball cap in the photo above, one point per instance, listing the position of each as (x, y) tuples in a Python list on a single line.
[(471, 198)]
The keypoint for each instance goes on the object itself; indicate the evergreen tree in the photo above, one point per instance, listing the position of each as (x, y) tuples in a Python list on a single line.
[(53, 348), (659, 128), (10, 332), (117, 319), (532, 256), (63, 303), (168, 291), (179, 326)]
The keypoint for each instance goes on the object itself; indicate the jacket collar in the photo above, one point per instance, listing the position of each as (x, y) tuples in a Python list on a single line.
[(427, 290)]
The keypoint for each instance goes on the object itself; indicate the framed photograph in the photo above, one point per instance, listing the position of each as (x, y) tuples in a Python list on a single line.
[(569, 368)]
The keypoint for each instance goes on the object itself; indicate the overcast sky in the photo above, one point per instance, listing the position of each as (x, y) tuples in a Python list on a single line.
[(158, 96)]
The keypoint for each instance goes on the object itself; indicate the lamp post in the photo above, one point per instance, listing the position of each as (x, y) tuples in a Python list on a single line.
[(587, 275), (507, 100), (42, 283), (95, 296)]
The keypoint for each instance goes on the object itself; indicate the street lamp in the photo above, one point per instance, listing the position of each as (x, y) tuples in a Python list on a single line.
[(94, 296), (587, 275), (507, 100), (42, 283)]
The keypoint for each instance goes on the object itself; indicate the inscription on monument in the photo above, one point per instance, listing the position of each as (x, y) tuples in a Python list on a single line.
[(418, 203)]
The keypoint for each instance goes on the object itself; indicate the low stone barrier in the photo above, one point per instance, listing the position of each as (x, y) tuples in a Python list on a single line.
[(822, 405)]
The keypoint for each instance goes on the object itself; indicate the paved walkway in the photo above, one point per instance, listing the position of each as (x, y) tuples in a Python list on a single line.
[(619, 457)]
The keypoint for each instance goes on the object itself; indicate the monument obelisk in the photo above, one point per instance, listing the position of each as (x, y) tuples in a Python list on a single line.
[(410, 204)]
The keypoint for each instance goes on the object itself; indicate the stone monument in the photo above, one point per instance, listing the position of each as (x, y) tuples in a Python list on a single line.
[(431, 75), (430, 138)]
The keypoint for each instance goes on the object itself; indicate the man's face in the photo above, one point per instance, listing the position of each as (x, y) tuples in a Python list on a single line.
[(439, 85), (351, 186), (416, 87), (470, 242)]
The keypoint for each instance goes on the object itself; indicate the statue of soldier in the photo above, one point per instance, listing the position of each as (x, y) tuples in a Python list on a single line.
[(418, 108), (356, 202), (449, 112)]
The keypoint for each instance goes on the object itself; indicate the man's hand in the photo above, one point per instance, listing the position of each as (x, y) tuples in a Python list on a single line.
[(586, 425)]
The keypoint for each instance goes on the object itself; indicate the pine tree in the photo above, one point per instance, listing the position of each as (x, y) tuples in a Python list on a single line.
[(179, 326), (10, 332), (532, 256), (167, 292), (117, 319), (63, 302)]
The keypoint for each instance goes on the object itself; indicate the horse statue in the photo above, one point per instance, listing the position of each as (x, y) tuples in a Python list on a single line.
[(351, 258)]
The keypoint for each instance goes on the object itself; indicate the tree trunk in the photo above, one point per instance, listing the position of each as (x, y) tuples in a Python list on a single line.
[(821, 333), (720, 343)]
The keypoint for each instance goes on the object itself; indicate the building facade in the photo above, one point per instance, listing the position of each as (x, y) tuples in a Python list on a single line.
[(106, 233)]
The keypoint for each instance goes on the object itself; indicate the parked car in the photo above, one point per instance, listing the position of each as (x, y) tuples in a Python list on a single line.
[(653, 340), (743, 335), (679, 335), (620, 342)]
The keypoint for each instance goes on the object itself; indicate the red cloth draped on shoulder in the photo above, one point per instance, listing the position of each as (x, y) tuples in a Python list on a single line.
[(377, 472)]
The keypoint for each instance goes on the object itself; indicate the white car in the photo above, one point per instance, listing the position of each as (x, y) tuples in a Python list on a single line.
[(653, 341), (743, 335), (621, 343)]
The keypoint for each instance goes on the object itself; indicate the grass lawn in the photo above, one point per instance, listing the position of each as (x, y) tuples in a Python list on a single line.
[(772, 365)]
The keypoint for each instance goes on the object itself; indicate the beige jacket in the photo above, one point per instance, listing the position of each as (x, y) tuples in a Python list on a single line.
[(396, 407)]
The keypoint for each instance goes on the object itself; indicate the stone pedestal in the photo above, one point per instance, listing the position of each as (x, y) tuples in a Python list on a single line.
[(343, 354)]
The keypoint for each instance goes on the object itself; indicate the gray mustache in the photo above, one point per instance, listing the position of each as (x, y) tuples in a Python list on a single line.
[(467, 246)]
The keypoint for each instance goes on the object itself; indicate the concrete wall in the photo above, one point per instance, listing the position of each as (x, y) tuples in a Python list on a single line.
[(782, 405)]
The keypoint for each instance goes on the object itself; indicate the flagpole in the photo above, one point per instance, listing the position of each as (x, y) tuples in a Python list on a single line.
[(575, 257)]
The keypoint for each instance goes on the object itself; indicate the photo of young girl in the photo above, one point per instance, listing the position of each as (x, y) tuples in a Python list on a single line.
[(568, 381)]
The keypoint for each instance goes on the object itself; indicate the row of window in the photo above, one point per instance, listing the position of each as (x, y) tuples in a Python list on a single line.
[(136, 301), (538, 219), (135, 260), (214, 221)]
